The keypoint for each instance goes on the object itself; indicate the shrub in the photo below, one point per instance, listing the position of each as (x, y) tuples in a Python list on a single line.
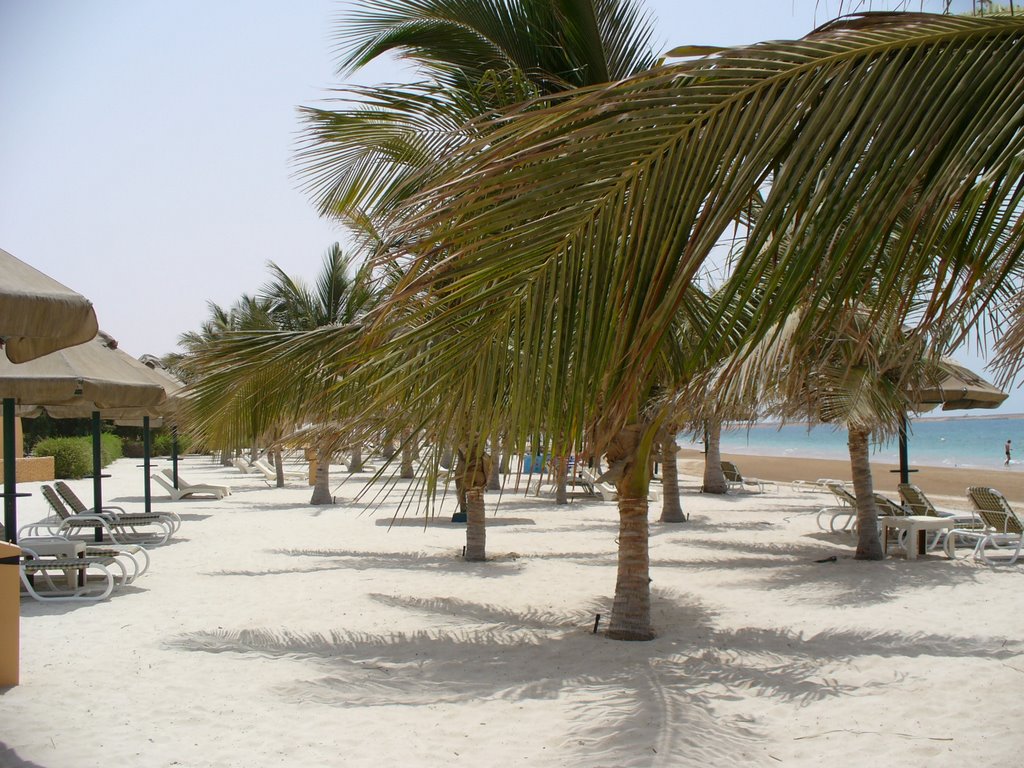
[(110, 448), (72, 456), (133, 449)]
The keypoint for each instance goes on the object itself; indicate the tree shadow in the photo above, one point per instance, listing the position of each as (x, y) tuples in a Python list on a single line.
[(626, 699), (352, 560), (442, 521), (10, 759)]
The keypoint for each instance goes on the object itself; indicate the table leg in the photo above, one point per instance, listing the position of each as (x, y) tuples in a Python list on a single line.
[(912, 533)]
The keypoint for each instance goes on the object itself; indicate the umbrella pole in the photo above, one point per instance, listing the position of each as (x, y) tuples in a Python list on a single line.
[(97, 481), (904, 460), (10, 476), (174, 453), (145, 464)]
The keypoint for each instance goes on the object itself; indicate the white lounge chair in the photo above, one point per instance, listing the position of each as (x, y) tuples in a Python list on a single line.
[(270, 474), (1004, 531), (118, 514), (188, 491), (735, 481)]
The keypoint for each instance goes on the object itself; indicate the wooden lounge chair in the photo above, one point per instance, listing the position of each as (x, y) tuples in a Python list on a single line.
[(122, 517), (1004, 529), (186, 490), (735, 481)]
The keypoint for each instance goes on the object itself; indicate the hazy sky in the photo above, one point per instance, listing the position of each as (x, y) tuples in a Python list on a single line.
[(145, 146)]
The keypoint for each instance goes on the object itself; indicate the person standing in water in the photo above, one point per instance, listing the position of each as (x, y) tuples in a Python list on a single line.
[(1007, 448)]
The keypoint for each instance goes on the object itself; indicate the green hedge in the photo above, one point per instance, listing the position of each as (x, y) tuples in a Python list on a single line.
[(72, 456)]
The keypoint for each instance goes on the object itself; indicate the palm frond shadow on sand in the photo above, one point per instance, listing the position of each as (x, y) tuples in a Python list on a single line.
[(627, 699), (322, 560)]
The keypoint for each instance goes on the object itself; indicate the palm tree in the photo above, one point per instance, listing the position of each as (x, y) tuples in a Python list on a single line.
[(608, 202), (478, 57), (267, 399)]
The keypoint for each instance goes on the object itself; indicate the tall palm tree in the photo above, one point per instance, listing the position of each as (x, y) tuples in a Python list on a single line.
[(478, 58), (575, 228)]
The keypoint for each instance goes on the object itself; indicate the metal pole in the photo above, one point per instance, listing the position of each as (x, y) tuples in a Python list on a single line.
[(145, 464), (904, 460), (97, 480), (174, 452), (10, 475)]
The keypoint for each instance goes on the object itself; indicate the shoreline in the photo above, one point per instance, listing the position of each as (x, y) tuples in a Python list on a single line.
[(947, 483)]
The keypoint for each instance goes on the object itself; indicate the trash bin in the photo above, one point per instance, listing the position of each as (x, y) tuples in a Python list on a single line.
[(10, 613)]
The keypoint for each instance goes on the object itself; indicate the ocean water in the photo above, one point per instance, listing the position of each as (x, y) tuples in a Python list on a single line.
[(961, 441)]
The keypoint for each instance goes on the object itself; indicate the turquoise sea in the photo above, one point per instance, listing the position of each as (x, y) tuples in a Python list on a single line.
[(960, 441)]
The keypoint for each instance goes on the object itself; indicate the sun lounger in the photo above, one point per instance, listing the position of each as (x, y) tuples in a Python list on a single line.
[(270, 474), (77, 586), (1004, 529), (123, 518), (186, 490), (734, 480), (133, 558), (845, 509), (64, 522), (243, 466)]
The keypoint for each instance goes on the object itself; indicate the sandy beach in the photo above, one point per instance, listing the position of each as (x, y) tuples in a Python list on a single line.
[(947, 484), (272, 633)]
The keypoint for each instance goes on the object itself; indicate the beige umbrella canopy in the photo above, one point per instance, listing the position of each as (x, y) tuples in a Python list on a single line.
[(90, 376), (38, 315), (960, 389)]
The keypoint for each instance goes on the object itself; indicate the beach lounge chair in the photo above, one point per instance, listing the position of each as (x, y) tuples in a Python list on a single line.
[(76, 570), (186, 490), (243, 466), (734, 480), (270, 474), (845, 509), (123, 518), (1004, 529), (64, 522), (133, 559)]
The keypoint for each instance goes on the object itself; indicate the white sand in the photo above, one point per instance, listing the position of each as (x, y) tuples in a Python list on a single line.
[(275, 633)]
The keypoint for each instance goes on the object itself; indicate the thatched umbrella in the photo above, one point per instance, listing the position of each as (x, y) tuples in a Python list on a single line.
[(87, 374)]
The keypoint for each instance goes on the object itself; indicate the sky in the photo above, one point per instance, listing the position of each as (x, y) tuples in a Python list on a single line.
[(147, 146)]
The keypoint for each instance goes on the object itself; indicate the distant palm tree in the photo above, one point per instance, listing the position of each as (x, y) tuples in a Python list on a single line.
[(232, 399)]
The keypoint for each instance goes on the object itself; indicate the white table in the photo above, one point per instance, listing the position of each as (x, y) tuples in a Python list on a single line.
[(917, 528)]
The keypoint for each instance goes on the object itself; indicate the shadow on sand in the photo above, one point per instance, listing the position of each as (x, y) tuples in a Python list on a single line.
[(625, 700)]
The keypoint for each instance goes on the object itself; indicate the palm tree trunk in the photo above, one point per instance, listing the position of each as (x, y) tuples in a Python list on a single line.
[(225, 458), (494, 479), (476, 525), (322, 487), (671, 508), (278, 467), (408, 449), (355, 464), (561, 480), (631, 608), (714, 478), (869, 544)]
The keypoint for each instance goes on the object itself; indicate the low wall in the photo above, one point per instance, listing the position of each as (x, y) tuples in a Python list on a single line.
[(34, 469)]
